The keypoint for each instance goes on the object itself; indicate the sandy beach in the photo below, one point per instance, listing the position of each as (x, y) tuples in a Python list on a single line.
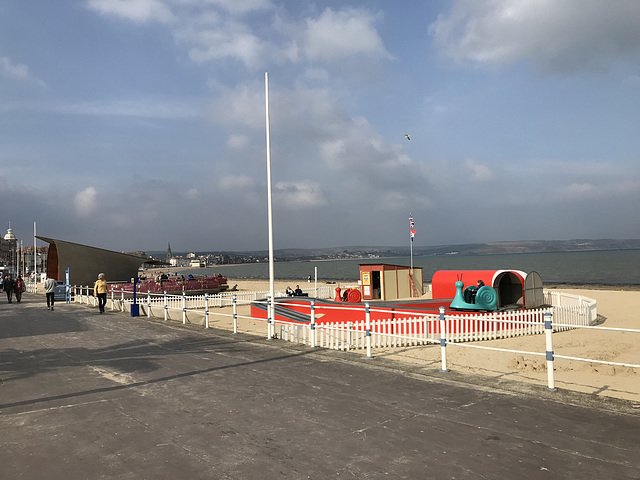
[(618, 308)]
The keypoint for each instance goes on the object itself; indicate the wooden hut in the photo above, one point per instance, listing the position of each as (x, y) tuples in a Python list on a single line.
[(390, 282)]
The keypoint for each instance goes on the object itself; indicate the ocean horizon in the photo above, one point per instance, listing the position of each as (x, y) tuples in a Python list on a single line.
[(611, 268)]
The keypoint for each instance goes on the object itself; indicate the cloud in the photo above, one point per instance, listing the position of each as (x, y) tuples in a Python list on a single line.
[(192, 194), (85, 201), (478, 171), (232, 40), (140, 11), (241, 7), (237, 142), (18, 71), (579, 192), (336, 35), (299, 195), (142, 108), (237, 182), (557, 36)]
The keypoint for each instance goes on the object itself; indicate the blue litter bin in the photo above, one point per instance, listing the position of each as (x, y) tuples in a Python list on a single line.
[(135, 308)]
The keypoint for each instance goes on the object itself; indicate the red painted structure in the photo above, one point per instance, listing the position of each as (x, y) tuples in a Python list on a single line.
[(212, 284), (514, 288), (510, 285)]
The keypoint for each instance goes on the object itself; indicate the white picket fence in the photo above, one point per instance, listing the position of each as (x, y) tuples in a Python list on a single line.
[(426, 329), (84, 294)]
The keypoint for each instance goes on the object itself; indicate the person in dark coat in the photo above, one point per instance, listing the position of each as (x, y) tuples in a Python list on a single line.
[(8, 286), (18, 288)]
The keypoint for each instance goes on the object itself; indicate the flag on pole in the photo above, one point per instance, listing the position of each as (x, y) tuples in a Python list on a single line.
[(412, 228)]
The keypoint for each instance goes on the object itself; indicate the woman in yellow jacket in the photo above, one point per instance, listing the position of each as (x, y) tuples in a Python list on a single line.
[(100, 290)]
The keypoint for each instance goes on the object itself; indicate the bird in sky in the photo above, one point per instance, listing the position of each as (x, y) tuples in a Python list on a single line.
[(406, 135)]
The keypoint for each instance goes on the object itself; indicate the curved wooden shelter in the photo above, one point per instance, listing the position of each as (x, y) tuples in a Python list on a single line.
[(85, 262)]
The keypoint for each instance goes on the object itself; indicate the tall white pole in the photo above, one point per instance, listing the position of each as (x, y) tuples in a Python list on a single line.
[(35, 255), (411, 255), (269, 207)]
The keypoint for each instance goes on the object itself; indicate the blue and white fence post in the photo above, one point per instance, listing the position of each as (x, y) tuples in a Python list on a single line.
[(148, 304), (443, 341), (548, 331), (269, 332), (113, 302), (312, 325), (184, 308), (122, 299), (206, 310), (235, 313), (367, 317), (166, 306)]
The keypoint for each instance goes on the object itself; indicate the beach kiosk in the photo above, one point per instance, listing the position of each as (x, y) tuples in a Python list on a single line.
[(390, 282)]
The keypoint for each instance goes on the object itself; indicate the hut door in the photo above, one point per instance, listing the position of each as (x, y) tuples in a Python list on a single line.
[(533, 294), (375, 285)]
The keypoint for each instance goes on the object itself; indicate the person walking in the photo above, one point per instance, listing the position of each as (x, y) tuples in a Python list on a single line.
[(50, 289), (100, 290), (8, 285), (18, 288)]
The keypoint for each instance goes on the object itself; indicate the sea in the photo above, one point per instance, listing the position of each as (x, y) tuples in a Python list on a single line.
[(608, 268)]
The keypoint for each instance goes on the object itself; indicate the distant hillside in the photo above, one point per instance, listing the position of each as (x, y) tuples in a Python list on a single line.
[(491, 248)]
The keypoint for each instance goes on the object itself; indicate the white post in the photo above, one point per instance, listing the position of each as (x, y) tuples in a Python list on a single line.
[(206, 310), (443, 341), (269, 205), (367, 314), (148, 304), (269, 332), (312, 330), (35, 257), (166, 306), (122, 299), (235, 314), (184, 308), (548, 331)]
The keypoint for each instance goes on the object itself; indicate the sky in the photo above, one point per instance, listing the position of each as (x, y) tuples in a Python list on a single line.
[(131, 124)]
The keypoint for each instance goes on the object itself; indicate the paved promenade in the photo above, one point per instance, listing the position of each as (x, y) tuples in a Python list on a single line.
[(90, 396)]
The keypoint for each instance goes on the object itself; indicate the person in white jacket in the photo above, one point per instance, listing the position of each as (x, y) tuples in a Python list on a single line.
[(50, 289)]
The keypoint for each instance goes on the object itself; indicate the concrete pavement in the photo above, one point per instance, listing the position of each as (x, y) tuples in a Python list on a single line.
[(90, 396)]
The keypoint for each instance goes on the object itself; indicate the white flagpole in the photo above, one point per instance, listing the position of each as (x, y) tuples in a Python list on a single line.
[(35, 256), (269, 207), (411, 236)]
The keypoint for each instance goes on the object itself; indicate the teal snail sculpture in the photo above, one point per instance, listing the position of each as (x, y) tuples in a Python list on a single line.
[(474, 298)]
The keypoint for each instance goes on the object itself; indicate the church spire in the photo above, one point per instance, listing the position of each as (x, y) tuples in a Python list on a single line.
[(169, 251)]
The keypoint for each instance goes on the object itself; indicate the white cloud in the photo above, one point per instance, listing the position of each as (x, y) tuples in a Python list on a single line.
[(336, 35), (299, 195), (589, 191), (237, 182), (18, 71), (233, 40), (140, 11), (237, 142), (151, 108), (192, 194), (478, 171), (243, 105), (85, 201), (240, 7), (559, 36)]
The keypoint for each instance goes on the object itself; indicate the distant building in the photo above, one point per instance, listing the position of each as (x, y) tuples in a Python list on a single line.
[(169, 255), (8, 249)]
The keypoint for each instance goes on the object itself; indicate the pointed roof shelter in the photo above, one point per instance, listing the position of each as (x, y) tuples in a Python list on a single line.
[(85, 262)]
